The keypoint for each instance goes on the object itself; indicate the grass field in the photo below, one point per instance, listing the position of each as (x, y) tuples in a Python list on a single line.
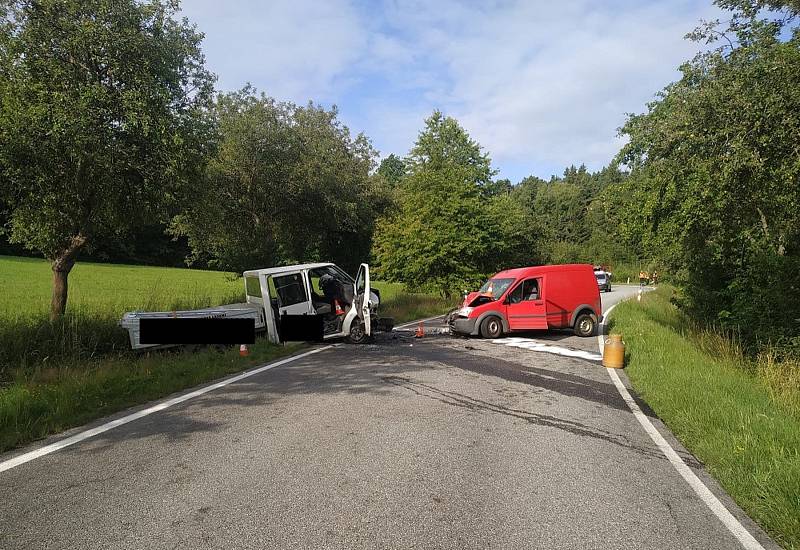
[(102, 289), (739, 416), (55, 375)]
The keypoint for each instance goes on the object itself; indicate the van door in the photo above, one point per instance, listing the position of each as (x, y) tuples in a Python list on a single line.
[(525, 307), (292, 293), (362, 294), (257, 292)]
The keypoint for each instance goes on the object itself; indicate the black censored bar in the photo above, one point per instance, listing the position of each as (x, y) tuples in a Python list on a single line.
[(301, 328), (197, 331)]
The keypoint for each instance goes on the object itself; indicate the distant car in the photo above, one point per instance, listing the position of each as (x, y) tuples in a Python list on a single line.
[(531, 298), (603, 281)]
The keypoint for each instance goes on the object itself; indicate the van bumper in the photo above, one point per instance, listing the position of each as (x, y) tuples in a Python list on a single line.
[(463, 325)]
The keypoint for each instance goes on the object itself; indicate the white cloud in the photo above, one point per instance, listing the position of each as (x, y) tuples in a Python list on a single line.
[(290, 49), (550, 82), (537, 83)]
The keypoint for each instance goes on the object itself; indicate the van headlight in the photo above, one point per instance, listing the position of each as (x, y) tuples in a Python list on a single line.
[(465, 311)]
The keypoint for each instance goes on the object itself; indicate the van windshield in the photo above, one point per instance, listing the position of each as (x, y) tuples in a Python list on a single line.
[(495, 287)]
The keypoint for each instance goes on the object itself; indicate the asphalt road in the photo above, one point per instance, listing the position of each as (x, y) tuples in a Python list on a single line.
[(440, 442)]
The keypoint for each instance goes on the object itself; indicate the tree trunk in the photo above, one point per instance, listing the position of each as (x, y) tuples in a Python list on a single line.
[(59, 302), (62, 265)]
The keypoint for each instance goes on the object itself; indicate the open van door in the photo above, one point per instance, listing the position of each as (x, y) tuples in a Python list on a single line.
[(361, 300)]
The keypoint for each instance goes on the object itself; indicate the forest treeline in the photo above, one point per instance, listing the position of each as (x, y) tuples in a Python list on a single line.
[(114, 145)]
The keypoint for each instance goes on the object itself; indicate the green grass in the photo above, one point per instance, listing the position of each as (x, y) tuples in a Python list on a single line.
[(404, 306), (98, 296), (52, 399), (111, 289), (56, 375), (740, 417)]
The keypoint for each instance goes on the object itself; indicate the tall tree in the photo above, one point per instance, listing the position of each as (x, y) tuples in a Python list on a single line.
[(101, 119), (288, 184), (446, 233), (445, 143)]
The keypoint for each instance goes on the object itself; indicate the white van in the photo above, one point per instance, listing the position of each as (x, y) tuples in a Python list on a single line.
[(348, 307)]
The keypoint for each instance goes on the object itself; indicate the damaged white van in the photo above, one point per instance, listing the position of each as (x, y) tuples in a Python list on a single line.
[(348, 307)]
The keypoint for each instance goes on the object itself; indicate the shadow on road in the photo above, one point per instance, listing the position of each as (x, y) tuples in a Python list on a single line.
[(570, 385)]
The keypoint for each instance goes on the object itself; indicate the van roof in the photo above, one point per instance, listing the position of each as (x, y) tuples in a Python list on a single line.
[(518, 272), (283, 269)]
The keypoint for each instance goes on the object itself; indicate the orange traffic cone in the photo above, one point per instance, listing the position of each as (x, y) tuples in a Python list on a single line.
[(420, 331), (338, 307), (243, 351)]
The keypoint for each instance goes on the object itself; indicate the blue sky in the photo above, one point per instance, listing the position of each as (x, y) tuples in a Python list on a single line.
[(539, 84)]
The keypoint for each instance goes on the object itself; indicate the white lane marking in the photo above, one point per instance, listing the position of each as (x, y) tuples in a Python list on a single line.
[(536, 345), (734, 526), (77, 438), (418, 321)]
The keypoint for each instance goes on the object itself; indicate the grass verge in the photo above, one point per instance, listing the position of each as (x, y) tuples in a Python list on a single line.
[(404, 307), (740, 417), (48, 400)]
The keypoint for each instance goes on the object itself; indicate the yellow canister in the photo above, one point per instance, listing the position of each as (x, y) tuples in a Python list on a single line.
[(614, 352)]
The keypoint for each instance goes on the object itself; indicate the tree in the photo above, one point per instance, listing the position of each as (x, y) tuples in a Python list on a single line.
[(446, 233), (445, 143), (288, 184), (718, 169), (560, 208), (101, 120), (498, 187), (393, 169)]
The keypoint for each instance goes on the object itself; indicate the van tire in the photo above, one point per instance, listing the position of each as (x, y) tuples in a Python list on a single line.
[(358, 334), (492, 327), (585, 324)]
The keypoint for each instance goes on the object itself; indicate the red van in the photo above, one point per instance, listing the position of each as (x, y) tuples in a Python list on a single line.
[(531, 298)]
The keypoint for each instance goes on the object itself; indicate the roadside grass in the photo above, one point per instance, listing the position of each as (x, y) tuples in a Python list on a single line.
[(98, 296), (739, 416), (403, 306), (111, 289), (48, 400), (56, 375)]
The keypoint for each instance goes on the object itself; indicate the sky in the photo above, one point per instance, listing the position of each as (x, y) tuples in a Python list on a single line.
[(541, 85)]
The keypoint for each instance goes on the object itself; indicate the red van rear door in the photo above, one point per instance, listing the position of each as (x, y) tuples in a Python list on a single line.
[(525, 309)]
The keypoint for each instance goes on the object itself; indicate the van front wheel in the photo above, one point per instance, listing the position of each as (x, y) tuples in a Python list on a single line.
[(492, 327), (358, 333), (585, 325)]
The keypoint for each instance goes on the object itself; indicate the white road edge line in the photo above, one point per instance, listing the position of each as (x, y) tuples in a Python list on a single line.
[(734, 526), (77, 438), (418, 321)]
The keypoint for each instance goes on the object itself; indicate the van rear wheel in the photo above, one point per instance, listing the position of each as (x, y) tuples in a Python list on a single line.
[(492, 327), (585, 325)]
